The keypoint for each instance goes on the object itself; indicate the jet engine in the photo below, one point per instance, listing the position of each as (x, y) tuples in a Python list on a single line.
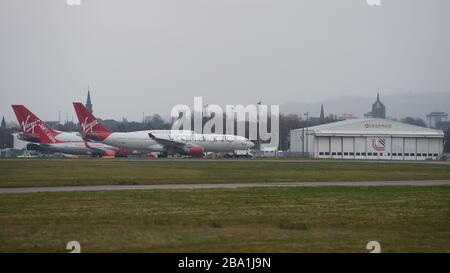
[(196, 151), (109, 153)]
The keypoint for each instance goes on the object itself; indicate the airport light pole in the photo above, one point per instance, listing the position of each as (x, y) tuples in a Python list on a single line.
[(306, 136), (258, 104)]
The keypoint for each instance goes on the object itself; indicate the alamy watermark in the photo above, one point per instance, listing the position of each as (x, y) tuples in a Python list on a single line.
[(374, 246), (74, 247), (73, 2), (257, 119), (78, 2), (373, 2)]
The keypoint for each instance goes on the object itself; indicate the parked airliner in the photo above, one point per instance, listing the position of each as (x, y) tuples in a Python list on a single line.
[(164, 141), (37, 131)]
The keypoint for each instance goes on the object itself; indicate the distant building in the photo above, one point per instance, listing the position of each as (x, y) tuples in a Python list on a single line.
[(434, 118), (347, 116), (444, 125), (3, 125), (19, 144), (372, 138), (322, 115), (378, 109), (53, 124), (318, 120), (88, 101)]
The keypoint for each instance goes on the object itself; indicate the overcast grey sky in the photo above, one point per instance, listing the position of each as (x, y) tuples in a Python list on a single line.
[(148, 55)]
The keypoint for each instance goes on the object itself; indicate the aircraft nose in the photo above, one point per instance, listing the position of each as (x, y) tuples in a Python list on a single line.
[(250, 144)]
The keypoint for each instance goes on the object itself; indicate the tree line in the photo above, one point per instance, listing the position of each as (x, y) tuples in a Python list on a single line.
[(287, 122)]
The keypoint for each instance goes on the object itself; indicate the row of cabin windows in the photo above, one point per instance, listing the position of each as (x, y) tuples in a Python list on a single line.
[(376, 154)]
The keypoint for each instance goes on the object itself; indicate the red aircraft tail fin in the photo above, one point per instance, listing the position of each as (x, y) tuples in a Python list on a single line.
[(33, 126), (91, 127)]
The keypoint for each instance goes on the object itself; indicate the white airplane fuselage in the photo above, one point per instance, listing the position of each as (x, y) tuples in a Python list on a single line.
[(140, 140), (73, 143), (75, 148)]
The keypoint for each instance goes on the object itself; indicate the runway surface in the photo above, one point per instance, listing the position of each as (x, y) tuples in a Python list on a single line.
[(226, 186)]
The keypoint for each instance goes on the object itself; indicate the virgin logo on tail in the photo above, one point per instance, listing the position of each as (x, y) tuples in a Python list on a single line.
[(28, 127), (89, 127)]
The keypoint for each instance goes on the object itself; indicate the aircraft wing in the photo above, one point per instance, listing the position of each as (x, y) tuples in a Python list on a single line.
[(93, 149), (181, 147), (168, 143)]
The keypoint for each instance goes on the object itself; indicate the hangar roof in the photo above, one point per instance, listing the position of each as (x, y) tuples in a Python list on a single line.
[(371, 126)]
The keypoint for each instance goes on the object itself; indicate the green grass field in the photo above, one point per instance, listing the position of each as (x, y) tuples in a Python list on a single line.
[(26, 172), (326, 219)]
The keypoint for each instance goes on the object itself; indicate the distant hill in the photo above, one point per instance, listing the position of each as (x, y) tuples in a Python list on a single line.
[(397, 106)]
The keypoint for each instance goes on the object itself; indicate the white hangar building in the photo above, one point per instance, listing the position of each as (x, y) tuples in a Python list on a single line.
[(372, 138)]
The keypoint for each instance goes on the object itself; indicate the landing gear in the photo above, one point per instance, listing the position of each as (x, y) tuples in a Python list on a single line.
[(162, 155)]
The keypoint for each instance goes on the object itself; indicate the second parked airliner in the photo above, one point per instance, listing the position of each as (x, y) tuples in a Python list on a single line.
[(164, 141)]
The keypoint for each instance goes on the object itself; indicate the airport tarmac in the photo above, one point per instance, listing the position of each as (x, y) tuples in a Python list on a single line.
[(226, 186), (282, 159)]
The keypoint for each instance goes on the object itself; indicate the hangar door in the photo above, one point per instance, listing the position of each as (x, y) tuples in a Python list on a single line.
[(360, 147), (348, 145), (323, 144), (436, 147), (397, 148), (410, 148), (336, 147), (422, 149)]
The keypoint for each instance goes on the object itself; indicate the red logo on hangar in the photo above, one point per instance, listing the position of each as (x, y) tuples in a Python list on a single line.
[(379, 144), (382, 126)]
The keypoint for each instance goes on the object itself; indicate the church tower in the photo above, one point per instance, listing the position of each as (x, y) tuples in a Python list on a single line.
[(3, 125), (88, 101), (322, 115), (378, 108)]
